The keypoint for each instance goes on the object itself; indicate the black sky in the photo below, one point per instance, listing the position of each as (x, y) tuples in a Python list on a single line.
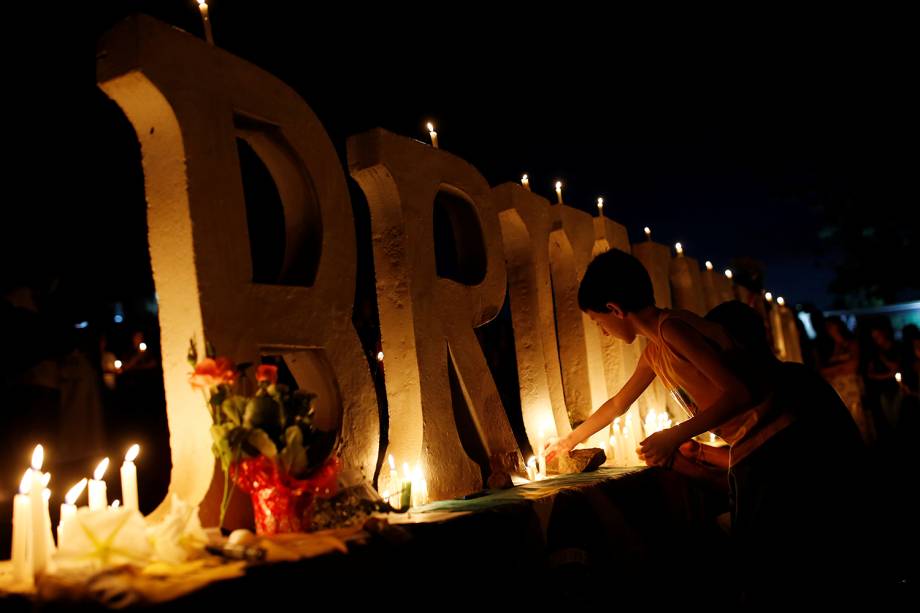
[(728, 141)]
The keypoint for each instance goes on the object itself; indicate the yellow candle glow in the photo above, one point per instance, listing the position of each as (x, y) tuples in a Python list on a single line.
[(142, 347), (600, 206), (98, 499), (36, 499), (118, 364), (525, 182), (433, 135), (768, 296), (679, 248), (129, 478), (380, 356), (728, 273), (708, 265), (559, 191), (897, 377), (532, 468), (69, 508), (22, 530), (781, 301), (648, 233), (203, 9), (115, 504)]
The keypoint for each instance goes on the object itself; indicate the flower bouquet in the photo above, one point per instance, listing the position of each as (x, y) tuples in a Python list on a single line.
[(266, 442)]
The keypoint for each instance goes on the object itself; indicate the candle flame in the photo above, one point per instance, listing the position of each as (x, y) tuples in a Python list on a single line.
[(75, 491), (558, 184), (648, 231), (116, 503), (430, 127), (118, 363), (38, 457), (46, 479), (142, 346), (100, 470), (202, 2), (728, 273), (708, 265), (531, 461), (768, 296), (524, 178), (380, 356), (25, 486), (392, 462), (897, 377), (600, 203), (679, 248), (780, 301), (132, 453), (46, 494)]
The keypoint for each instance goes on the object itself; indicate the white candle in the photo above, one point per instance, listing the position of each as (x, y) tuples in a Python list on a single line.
[(69, 508), (36, 496), (129, 478), (203, 9), (22, 531), (433, 135), (46, 521), (525, 182), (559, 191), (98, 499)]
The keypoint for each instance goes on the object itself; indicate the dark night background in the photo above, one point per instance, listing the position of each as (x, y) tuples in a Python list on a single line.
[(792, 145)]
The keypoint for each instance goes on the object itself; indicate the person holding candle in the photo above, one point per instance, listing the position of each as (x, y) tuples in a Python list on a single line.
[(731, 390)]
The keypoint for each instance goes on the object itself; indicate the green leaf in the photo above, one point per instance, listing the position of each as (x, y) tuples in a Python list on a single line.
[(294, 455), (261, 441), (192, 355), (232, 409)]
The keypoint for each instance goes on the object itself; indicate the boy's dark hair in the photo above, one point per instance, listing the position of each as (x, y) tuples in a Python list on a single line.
[(615, 276)]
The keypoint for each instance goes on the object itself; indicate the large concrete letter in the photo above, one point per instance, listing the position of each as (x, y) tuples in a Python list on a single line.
[(526, 221), (189, 103), (427, 320)]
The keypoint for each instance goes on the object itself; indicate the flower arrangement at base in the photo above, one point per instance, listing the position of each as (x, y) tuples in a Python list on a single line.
[(266, 443)]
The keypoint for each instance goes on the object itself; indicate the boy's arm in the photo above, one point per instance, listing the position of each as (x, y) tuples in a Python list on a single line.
[(607, 412)]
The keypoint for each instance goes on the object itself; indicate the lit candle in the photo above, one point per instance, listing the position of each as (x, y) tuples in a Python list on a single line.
[(679, 248), (97, 495), (897, 377), (69, 508), (36, 497), (395, 485), (380, 356), (525, 182), (129, 478), (712, 438), (648, 233), (728, 273), (405, 499), (142, 347), (768, 296), (708, 265), (559, 191), (532, 468), (600, 206), (48, 536), (419, 487), (203, 9), (781, 301), (541, 455), (22, 530), (117, 364), (115, 504), (433, 135)]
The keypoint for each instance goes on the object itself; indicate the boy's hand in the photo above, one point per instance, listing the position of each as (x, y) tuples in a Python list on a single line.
[(657, 448), (561, 446)]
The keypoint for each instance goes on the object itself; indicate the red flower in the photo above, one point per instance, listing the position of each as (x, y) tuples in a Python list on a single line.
[(211, 372), (267, 372)]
